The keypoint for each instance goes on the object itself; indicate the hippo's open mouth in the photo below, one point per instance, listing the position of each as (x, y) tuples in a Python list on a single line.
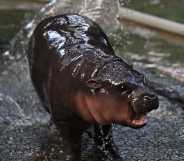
[(139, 122)]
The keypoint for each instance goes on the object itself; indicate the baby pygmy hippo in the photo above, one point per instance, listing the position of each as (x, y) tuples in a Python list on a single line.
[(81, 82)]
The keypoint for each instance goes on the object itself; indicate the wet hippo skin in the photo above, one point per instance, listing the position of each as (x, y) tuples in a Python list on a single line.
[(82, 83)]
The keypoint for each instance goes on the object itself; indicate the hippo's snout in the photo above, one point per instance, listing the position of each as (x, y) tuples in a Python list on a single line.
[(144, 102)]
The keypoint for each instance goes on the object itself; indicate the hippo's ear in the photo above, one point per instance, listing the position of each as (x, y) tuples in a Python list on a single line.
[(93, 84)]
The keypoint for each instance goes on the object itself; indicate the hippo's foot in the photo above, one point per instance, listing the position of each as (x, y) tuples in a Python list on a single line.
[(106, 150)]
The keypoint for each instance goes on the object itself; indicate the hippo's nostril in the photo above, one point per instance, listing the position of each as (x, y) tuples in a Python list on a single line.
[(149, 97), (151, 101)]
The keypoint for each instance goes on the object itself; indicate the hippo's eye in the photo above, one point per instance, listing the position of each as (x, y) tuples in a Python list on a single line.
[(101, 91)]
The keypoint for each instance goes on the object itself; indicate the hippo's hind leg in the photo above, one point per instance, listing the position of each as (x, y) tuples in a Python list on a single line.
[(106, 149)]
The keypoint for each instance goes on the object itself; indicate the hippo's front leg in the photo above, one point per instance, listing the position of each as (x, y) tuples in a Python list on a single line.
[(106, 149), (71, 132)]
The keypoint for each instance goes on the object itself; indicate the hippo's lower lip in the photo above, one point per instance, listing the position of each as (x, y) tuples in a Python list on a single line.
[(141, 121)]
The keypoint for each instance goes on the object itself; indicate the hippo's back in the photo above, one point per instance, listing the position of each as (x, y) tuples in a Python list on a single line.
[(68, 30)]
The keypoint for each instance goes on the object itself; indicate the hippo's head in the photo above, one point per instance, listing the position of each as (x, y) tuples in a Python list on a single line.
[(120, 96)]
